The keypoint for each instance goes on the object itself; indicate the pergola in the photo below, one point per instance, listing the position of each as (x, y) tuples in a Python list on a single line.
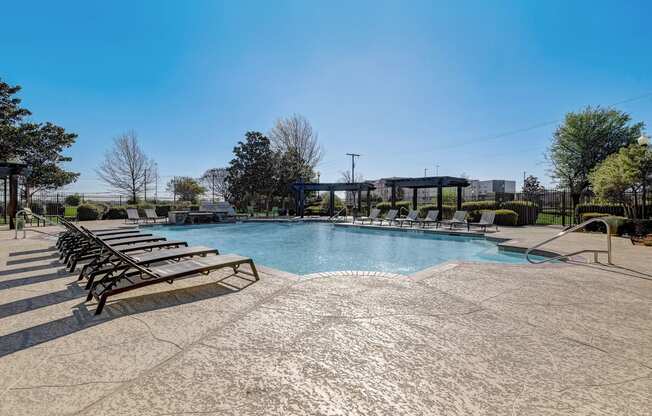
[(10, 171), (300, 189), (438, 182)]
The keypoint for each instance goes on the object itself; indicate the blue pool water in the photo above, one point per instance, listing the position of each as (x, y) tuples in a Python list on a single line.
[(304, 248)]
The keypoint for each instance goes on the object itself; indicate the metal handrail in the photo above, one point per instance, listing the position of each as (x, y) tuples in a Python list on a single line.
[(334, 217), (570, 230), (24, 213)]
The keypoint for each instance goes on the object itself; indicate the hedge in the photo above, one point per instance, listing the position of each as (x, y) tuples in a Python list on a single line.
[(447, 211), (506, 217), (88, 212), (386, 206), (617, 225), (73, 200), (475, 208), (115, 213), (611, 209), (527, 211)]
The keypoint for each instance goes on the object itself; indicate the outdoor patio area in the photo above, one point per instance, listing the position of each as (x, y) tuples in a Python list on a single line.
[(459, 339)]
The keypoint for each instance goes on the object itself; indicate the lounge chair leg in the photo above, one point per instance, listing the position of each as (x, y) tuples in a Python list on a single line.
[(100, 305), (253, 269)]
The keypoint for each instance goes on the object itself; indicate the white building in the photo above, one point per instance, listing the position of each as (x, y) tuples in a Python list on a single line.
[(482, 188)]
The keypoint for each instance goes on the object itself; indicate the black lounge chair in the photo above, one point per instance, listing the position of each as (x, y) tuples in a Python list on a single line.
[(432, 217), (389, 217), (150, 214), (411, 218), (459, 218), (135, 276), (73, 233), (486, 220), (106, 263), (373, 216)]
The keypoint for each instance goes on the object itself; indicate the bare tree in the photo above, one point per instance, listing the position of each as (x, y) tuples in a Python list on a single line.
[(347, 178), (215, 182), (295, 135), (125, 167)]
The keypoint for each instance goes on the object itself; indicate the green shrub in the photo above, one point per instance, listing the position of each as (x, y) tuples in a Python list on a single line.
[(637, 228), (88, 212), (527, 211), (617, 225), (314, 210), (611, 209), (475, 208), (115, 213), (402, 206), (163, 210), (72, 200), (506, 217)]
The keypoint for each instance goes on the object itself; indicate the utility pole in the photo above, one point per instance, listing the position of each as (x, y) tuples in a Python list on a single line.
[(145, 185), (425, 172), (353, 156), (437, 170)]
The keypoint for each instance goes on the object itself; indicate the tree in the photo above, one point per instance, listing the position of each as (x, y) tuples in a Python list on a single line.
[(295, 135), (186, 188), (621, 173), (39, 145), (126, 168), (251, 173), (584, 140), (215, 182), (531, 185), (41, 148)]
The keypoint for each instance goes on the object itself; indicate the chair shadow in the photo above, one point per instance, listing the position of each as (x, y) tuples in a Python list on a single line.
[(52, 265), (32, 259), (37, 251), (83, 318), (72, 291), (24, 281)]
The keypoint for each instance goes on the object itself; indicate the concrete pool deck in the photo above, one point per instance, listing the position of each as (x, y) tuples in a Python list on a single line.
[(459, 339)]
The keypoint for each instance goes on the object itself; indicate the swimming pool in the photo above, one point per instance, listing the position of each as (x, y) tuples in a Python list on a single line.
[(305, 247)]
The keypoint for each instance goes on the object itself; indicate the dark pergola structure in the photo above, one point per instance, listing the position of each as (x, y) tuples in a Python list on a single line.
[(9, 172), (300, 189), (438, 182)]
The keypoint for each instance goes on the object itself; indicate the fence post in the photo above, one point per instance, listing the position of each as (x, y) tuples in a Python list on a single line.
[(563, 208)]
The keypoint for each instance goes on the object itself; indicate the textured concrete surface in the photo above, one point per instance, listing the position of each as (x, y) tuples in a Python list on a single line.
[(457, 339)]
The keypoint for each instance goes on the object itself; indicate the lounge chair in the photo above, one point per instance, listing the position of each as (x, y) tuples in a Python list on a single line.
[(150, 214), (389, 217), (135, 276), (432, 217), (132, 215), (411, 218), (459, 218), (486, 220), (106, 263), (373, 216)]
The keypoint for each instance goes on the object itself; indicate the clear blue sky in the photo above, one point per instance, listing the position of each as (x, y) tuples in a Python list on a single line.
[(409, 85)]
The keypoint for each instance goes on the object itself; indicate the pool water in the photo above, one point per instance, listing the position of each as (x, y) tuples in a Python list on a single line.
[(304, 247)]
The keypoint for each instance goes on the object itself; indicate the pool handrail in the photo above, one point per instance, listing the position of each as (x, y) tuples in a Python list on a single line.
[(570, 230)]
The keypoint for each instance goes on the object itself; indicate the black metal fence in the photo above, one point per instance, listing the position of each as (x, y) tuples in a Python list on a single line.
[(554, 207), (558, 207)]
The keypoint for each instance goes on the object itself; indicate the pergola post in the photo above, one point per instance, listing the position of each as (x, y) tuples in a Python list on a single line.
[(331, 203), (359, 201), (4, 212), (393, 195), (459, 198), (440, 201), (414, 198), (13, 201), (302, 201), (368, 202)]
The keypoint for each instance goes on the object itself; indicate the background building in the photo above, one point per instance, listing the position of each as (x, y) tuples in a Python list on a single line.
[(483, 188)]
